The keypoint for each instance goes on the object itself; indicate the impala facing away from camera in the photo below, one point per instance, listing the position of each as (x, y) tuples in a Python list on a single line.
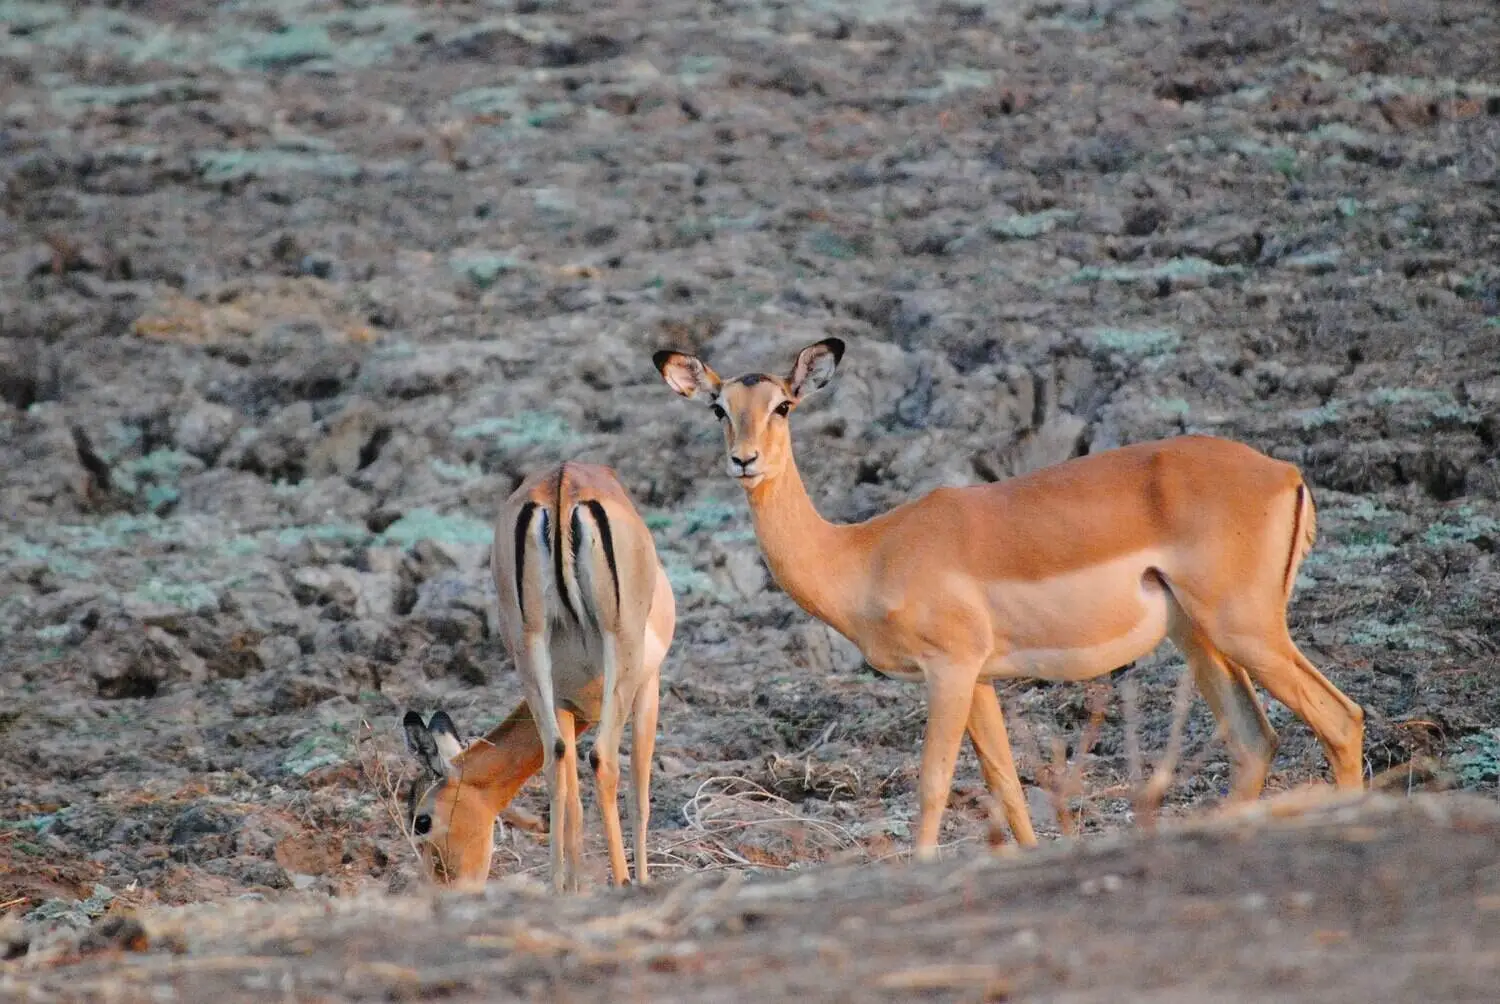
[(587, 614), (1066, 573)]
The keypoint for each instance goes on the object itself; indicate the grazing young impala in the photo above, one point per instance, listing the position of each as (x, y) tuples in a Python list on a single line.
[(451, 810), (1064, 574), (584, 604)]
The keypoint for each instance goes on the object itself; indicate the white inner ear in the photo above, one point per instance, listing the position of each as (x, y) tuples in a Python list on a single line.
[(447, 747), (814, 368), (689, 377)]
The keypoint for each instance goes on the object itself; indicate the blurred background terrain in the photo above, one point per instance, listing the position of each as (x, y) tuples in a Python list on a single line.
[(292, 294)]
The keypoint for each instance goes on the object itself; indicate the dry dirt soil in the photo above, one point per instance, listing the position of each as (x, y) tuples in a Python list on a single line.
[(293, 293)]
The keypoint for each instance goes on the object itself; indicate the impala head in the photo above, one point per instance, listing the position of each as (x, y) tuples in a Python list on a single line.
[(450, 820), (753, 409)]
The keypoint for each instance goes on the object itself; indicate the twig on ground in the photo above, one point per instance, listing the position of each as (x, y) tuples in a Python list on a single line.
[(1148, 798)]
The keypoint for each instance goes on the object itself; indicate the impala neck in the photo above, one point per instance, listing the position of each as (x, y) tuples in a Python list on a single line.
[(501, 763), (813, 560)]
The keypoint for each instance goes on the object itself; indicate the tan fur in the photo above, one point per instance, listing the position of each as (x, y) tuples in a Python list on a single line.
[(586, 653), (1066, 574), (460, 808), (619, 638)]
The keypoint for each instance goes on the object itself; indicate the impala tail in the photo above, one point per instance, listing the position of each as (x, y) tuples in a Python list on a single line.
[(1304, 535), (566, 568)]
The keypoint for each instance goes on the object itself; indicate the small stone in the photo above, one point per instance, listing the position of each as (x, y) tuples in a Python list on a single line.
[(199, 821), (205, 429), (826, 651), (278, 652), (747, 574), (343, 447)]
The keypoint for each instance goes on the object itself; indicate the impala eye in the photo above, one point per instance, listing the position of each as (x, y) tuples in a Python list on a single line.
[(422, 825), (784, 408), (719, 413)]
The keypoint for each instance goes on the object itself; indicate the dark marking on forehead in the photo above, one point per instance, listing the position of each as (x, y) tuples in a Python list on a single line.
[(751, 379)]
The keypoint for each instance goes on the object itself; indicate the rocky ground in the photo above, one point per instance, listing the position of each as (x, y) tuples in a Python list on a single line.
[(1395, 900), (293, 293)]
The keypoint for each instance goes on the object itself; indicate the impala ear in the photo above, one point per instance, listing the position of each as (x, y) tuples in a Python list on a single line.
[(423, 745), (445, 735), (815, 366), (688, 375)]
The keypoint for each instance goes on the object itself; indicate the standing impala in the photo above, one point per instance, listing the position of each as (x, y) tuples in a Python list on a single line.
[(1064, 574), (587, 614)]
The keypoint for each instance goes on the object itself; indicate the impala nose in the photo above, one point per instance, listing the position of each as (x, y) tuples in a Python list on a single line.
[(742, 464)]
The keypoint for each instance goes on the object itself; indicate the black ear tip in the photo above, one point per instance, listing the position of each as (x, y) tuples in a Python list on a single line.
[(661, 357), (440, 722), (836, 346), (412, 720)]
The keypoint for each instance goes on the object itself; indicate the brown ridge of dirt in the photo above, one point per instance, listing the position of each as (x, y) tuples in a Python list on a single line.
[(1347, 899)]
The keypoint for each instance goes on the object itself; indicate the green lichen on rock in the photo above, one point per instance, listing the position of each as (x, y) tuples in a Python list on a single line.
[(1027, 226), (1186, 269), (525, 428), (191, 596), (1403, 636), (228, 166), (482, 268), (1139, 343), (1462, 526), (425, 524), (128, 95)]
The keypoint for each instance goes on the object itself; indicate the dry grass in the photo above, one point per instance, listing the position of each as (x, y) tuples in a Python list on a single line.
[(384, 781), (738, 822)]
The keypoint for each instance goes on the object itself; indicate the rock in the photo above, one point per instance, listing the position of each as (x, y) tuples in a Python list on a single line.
[(277, 450), (128, 660), (1102, 219), (453, 591), (347, 437), (1056, 440), (434, 369), (454, 627), (257, 872), (359, 594), (1144, 220), (826, 651), (199, 821), (266, 606), (237, 497), (746, 572), (1314, 262), (368, 638), (1227, 241), (278, 652), (204, 429), (297, 691)]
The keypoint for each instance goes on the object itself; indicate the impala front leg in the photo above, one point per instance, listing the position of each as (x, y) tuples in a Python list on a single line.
[(997, 763), (950, 696)]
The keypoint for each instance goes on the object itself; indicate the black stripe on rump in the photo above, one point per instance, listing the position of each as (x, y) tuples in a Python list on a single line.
[(606, 538), (557, 551), (523, 526)]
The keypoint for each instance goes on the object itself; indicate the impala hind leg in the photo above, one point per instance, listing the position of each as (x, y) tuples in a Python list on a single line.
[(607, 756), (535, 663), (1232, 699), (573, 830), (642, 749), (997, 764), (1274, 661), (950, 697)]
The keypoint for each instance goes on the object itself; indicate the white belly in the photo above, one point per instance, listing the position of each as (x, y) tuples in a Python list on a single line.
[(1079, 625)]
